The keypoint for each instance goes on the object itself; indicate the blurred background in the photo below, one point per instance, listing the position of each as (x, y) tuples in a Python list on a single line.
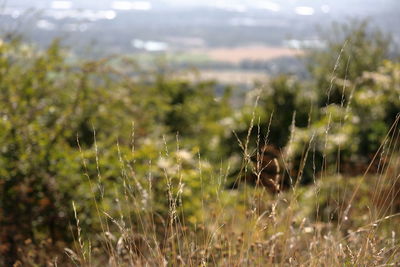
[(235, 41)]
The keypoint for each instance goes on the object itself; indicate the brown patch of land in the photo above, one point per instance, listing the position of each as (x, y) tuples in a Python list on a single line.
[(226, 76), (253, 53)]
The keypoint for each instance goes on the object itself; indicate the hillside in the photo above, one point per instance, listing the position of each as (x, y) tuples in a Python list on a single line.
[(108, 162)]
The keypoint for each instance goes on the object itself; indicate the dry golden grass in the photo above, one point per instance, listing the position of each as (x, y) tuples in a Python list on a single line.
[(251, 227)]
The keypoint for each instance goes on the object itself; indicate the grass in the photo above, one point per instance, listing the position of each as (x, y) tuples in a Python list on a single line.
[(336, 221), (178, 210)]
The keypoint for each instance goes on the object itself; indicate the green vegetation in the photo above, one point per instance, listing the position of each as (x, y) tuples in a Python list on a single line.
[(102, 163)]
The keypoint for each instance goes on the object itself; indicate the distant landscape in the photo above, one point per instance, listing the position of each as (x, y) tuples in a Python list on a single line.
[(222, 34)]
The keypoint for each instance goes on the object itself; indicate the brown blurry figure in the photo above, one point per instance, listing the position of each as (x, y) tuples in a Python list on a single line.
[(266, 169)]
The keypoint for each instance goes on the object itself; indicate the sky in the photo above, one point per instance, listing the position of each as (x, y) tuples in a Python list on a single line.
[(181, 3), (301, 7), (288, 7)]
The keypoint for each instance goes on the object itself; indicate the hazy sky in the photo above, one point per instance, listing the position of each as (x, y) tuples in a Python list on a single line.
[(335, 8), (349, 3)]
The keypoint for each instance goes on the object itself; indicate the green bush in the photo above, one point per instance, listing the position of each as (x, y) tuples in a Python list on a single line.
[(60, 125)]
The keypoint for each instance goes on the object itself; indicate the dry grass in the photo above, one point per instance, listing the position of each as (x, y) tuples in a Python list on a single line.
[(251, 227), (336, 221)]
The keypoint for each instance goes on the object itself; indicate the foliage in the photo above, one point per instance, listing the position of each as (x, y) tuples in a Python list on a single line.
[(351, 49), (137, 163), (60, 124), (363, 98)]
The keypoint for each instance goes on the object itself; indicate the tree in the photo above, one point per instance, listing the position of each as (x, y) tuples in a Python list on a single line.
[(351, 49)]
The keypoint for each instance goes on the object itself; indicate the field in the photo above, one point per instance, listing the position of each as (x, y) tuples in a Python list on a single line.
[(227, 77), (250, 53)]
